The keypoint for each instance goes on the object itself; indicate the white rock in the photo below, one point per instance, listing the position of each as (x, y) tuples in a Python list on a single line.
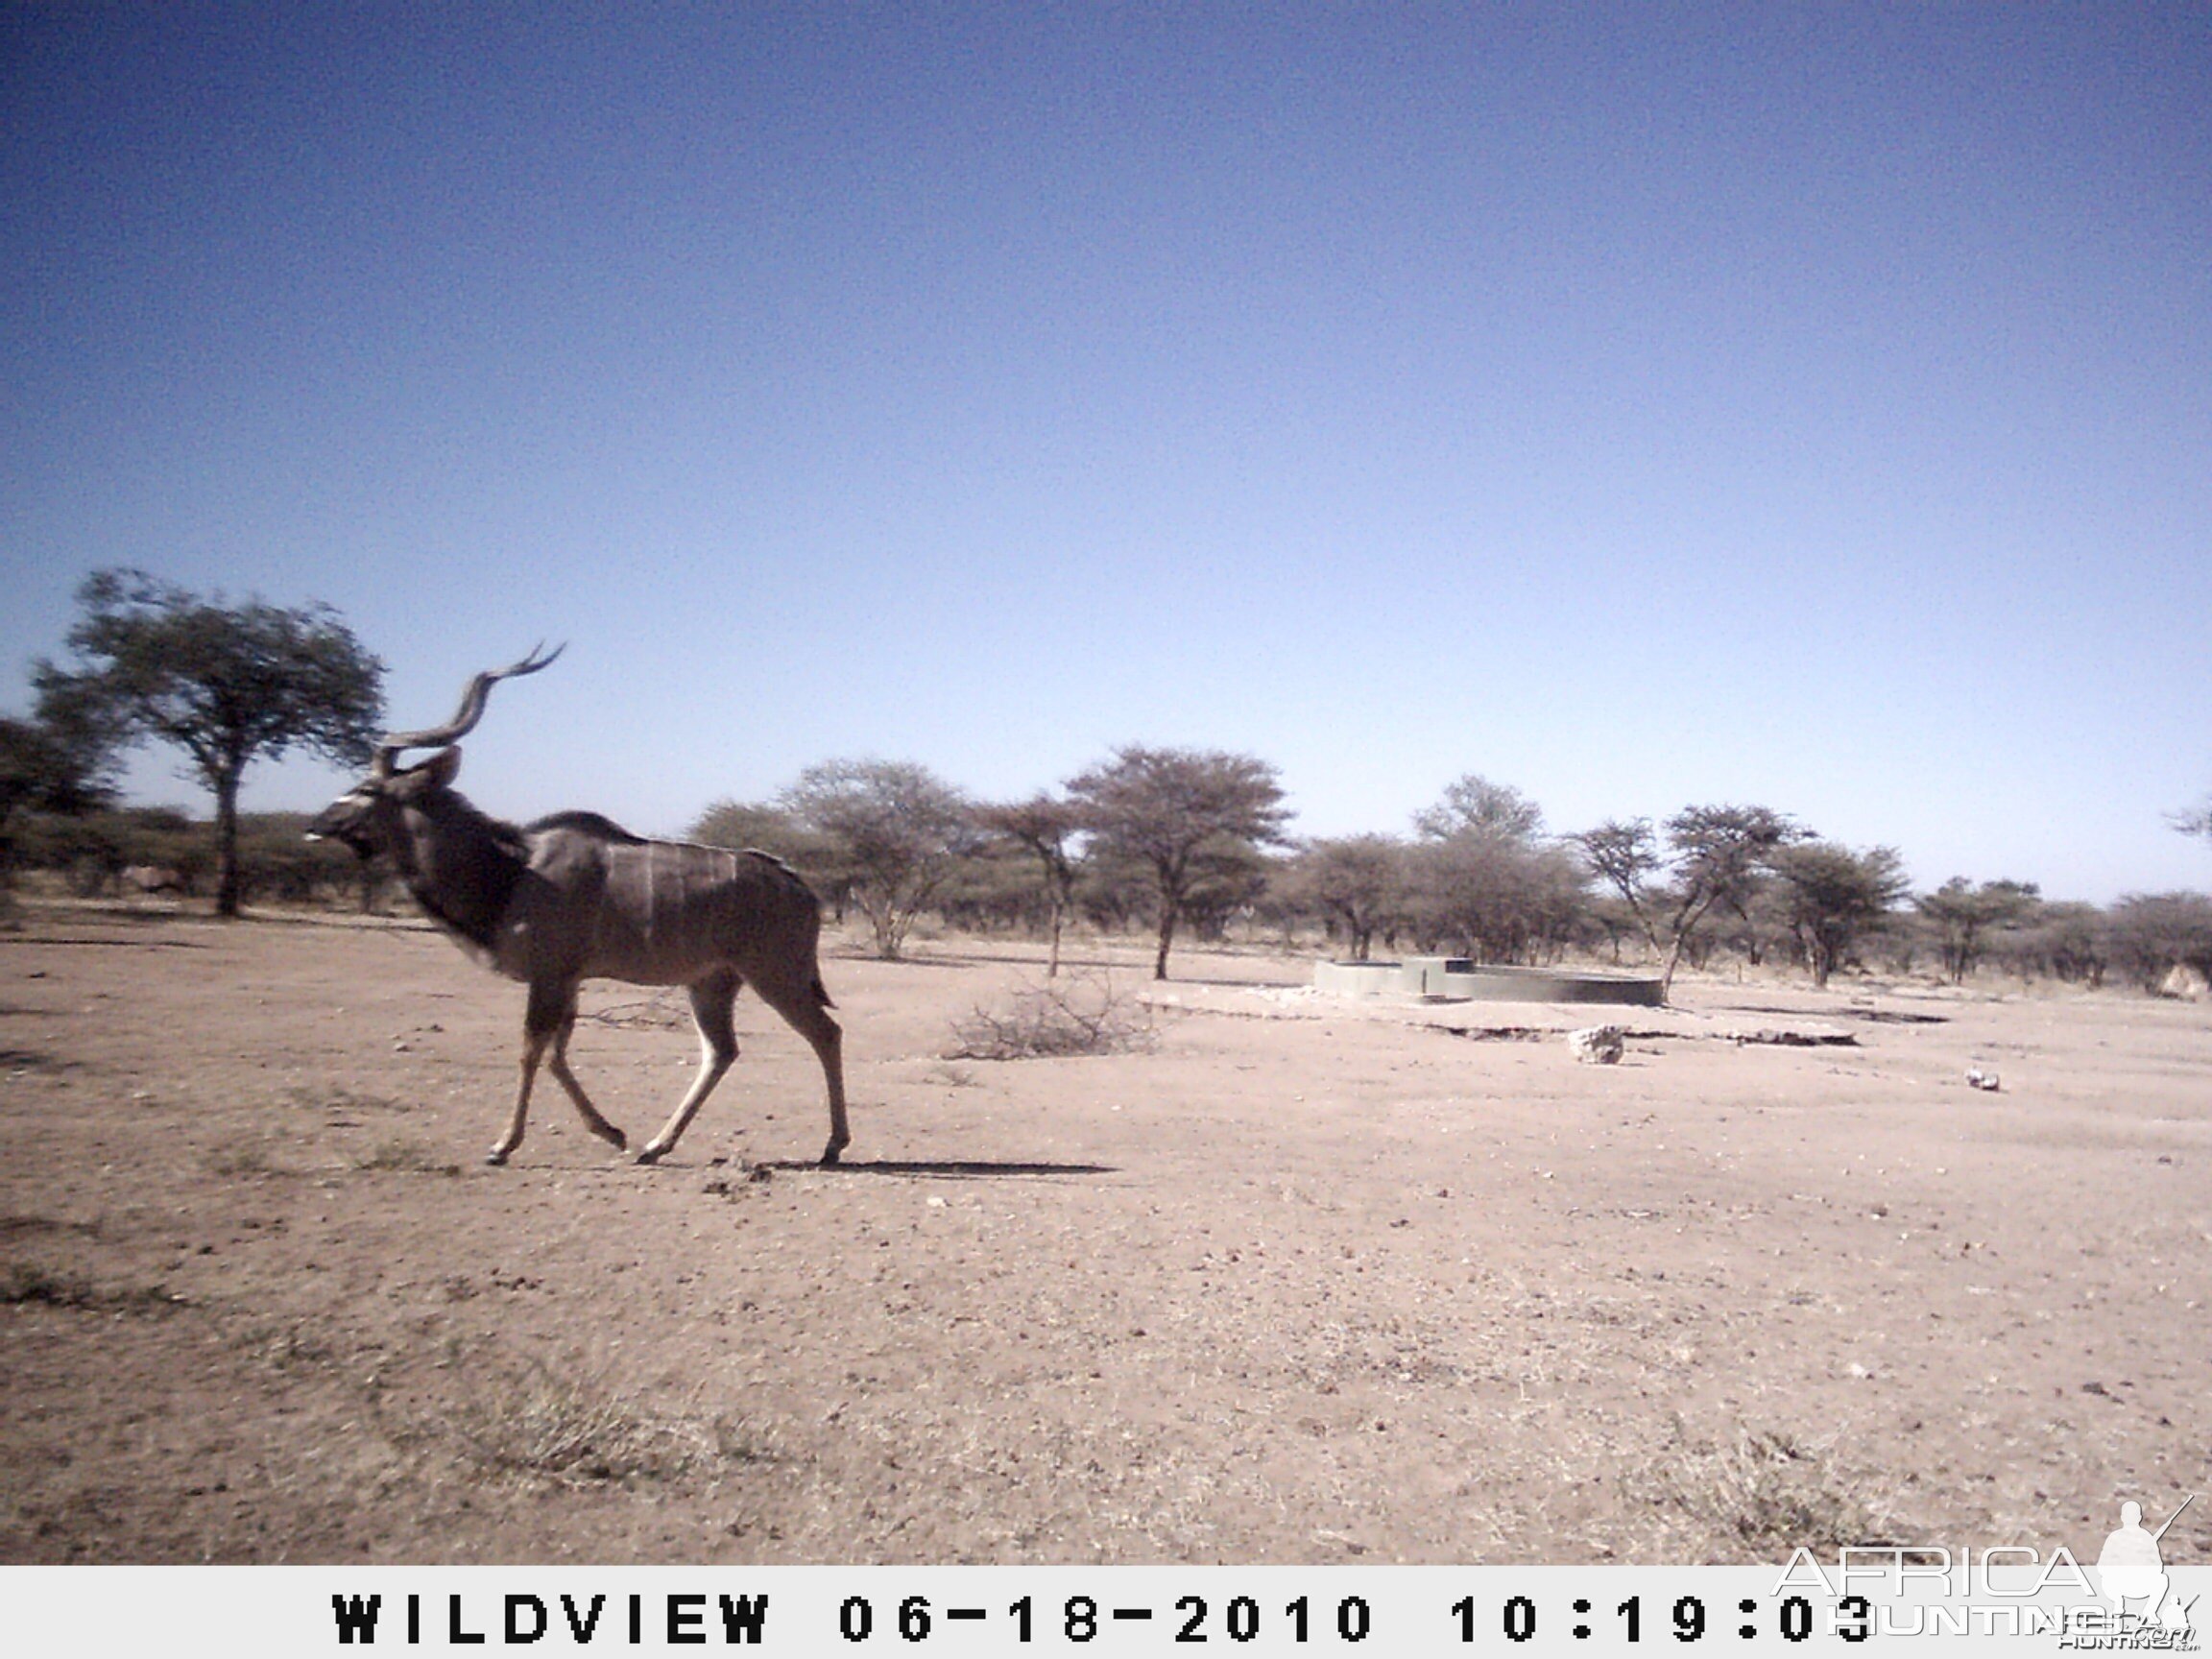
[(1597, 1044)]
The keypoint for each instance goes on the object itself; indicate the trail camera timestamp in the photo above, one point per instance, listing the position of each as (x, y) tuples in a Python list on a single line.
[(1687, 1619), (1083, 1618)]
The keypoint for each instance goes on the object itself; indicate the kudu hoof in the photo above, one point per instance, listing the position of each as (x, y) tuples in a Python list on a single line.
[(496, 1157), (650, 1155), (829, 1155)]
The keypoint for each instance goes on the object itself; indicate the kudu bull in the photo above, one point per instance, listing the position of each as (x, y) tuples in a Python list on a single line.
[(574, 896)]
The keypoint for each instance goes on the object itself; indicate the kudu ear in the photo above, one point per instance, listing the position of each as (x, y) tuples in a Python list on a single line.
[(434, 774)]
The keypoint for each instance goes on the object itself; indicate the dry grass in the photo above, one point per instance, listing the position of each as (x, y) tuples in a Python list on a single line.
[(577, 1429), (338, 1100), (285, 1346), (240, 1160), (1759, 1494), (22, 1283), (397, 1153)]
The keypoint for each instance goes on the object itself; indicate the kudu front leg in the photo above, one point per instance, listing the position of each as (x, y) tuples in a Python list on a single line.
[(534, 1042), (546, 1022), (566, 1078)]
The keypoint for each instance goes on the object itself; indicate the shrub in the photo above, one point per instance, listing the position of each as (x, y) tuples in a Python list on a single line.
[(2148, 934), (1081, 1015)]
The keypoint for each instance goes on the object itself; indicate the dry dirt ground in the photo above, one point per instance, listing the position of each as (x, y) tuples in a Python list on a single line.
[(1301, 1283)]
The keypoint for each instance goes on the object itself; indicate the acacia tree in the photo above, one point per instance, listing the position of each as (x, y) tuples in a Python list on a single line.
[(1832, 895), (228, 685), (1626, 857), (1357, 879), (1963, 915), (898, 830), (1178, 812), (1485, 876), (48, 771), (2065, 940), (2148, 934), (1043, 825), (1473, 804), (1718, 853)]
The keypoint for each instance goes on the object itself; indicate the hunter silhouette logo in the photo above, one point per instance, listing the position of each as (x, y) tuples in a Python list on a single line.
[(2131, 1569)]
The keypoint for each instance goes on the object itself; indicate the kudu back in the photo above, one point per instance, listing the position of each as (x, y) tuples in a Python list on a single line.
[(575, 897)]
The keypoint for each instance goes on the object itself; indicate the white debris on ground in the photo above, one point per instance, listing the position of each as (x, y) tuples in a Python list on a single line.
[(1488, 1019), (1597, 1044)]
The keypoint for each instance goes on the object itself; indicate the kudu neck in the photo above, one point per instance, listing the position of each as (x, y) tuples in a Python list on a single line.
[(460, 863)]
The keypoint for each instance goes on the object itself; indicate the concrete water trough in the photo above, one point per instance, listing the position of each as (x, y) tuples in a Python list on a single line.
[(1460, 979)]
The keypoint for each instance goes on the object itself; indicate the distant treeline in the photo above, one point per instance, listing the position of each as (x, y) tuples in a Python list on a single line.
[(1479, 877), (134, 851), (1166, 839)]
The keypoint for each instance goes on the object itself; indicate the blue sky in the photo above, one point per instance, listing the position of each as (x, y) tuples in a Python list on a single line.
[(1640, 406)]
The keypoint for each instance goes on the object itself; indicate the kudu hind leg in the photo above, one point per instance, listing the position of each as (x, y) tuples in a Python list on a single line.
[(711, 1002), (804, 1010)]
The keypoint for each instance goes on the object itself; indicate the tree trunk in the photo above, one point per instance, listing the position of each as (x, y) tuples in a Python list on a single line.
[(226, 842), (1167, 918), (884, 922)]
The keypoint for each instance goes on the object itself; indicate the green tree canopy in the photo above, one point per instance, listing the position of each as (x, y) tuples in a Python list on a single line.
[(44, 770), (1832, 897), (897, 832), (48, 771), (1184, 814), (1964, 915), (1719, 854), (1473, 804), (228, 685), (2148, 934), (1359, 880)]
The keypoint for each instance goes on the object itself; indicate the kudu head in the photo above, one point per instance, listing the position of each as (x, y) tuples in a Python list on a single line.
[(367, 817)]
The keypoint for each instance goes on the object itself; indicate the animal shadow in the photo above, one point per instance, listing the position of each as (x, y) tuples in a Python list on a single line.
[(942, 1169)]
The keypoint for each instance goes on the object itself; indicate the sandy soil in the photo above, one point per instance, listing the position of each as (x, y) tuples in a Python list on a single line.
[(1305, 1283)]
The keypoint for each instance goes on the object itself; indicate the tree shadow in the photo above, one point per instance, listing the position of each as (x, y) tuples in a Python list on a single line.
[(1873, 1016), (904, 958), (1174, 980), (35, 1060), (1070, 962)]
